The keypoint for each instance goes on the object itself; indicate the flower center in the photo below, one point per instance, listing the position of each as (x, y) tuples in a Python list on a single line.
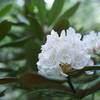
[(67, 69)]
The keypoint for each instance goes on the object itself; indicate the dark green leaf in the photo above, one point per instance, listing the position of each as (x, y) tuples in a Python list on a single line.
[(70, 11), (41, 11), (6, 70), (36, 28), (86, 79), (32, 49), (5, 10), (13, 36), (5, 27), (55, 11), (45, 93), (19, 56), (15, 56), (2, 93), (29, 5), (16, 43)]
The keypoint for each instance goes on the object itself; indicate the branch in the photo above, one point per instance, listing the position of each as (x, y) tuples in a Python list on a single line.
[(89, 91), (7, 80), (90, 68), (31, 81)]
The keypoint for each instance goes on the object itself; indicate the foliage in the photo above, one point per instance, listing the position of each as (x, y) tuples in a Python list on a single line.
[(22, 31)]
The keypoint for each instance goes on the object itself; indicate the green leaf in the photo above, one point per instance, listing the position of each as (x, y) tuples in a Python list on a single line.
[(67, 14), (15, 56), (6, 70), (39, 5), (55, 11), (29, 5), (5, 10), (64, 17), (16, 43), (5, 27), (44, 93), (2, 93), (36, 28), (42, 11), (86, 79), (32, 49)]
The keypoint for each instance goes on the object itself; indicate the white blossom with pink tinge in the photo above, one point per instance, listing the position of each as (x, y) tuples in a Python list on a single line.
[(68, 48)]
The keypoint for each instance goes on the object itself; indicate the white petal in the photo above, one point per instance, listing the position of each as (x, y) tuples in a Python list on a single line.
[(67, 49)]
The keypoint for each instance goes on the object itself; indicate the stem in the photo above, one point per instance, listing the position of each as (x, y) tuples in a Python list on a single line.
[(71, 85), (89, 68), (93, 96)]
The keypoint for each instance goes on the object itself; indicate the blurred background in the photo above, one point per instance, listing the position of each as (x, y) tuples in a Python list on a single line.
[(24, 25)]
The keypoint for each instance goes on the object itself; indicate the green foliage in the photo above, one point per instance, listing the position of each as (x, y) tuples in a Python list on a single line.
[(40, 4), (5, 27), (36, 28), (55, 11), (67, 14), (23, 29), (16, 43), (5, 10)]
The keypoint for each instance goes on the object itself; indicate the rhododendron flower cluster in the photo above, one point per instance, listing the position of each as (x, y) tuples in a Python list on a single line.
[(68, 48), (92, 42)]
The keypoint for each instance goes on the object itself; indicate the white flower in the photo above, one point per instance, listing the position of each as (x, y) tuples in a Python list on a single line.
[(92, 42), (66, 48)]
